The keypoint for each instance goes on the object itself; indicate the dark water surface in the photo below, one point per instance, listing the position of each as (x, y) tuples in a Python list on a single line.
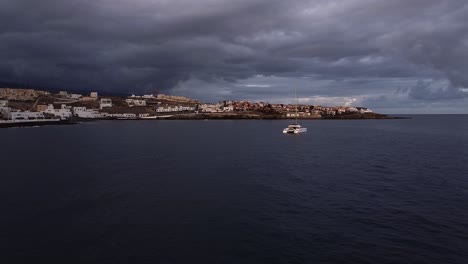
[(371, 191)]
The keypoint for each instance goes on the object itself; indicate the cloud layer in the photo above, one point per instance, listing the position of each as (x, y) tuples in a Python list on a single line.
[(411, 53)]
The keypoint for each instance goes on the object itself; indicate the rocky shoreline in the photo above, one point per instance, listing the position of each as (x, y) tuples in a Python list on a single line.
[(204, 116), (35, 123), (261, 116)]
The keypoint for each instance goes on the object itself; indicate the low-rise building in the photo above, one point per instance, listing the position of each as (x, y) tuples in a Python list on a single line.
[(124, 116), (340, 110), (3, 103), (146, 96), (228, 108), (63, 113), (135, 102), (41, 108), (75, 96), (27, 115), (9, 114), (170, 109), (298, 114), (87, 99), (93, 96), (105, 102), (166, 109), (210, 108), (83, 112), (188, 108)]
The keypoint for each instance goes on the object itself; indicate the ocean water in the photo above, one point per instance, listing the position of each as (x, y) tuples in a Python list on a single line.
[(357, 191)]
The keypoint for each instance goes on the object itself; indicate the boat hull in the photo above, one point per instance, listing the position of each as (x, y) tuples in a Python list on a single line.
[(294, 130)]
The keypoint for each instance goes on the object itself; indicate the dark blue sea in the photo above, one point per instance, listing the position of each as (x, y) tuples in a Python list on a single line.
[(348, 191)]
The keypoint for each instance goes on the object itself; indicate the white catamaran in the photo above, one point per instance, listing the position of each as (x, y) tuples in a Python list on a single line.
[(295, 128)]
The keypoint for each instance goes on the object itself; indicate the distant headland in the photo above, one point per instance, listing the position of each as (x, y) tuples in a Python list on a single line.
[(23, 107)]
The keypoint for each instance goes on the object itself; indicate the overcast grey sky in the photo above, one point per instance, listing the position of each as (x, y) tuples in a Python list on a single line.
[(395, 56)]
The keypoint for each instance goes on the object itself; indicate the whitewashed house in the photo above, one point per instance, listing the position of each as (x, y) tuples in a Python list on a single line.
[(210, 108), (135, 102), (188, 108), (83, 112), (228, 108), (105, 102), (166, 109), (139, 102), (124, 116), (63, 113)]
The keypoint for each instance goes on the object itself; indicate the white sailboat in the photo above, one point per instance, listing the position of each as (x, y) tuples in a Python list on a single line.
[(295, 128)]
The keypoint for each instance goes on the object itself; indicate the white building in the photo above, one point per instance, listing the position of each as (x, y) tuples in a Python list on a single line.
[(135, 102), (298, 114), (105, 102), (94, 95), (8, 114), (188, 108), (170, 109), (340, 111), (166, 109), (124, 116), (228, 108), (63, 113), (210, 108), (3, 103), (83, 112), (139, 102), (146, 96), (75, 96), (27, 115)]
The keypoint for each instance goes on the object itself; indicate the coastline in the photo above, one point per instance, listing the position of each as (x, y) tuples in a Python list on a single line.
[(34, 123), (195, 117), (257, 116)]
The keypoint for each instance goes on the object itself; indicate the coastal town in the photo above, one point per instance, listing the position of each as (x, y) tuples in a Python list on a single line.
[(30, 106)]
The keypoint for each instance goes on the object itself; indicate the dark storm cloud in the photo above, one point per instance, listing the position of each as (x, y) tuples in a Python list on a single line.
[(147, 45)]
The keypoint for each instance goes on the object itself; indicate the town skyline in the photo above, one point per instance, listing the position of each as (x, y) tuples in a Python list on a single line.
[(29, 107)]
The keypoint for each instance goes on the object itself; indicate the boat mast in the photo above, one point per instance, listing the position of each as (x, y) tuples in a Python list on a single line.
[(297, 102)]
